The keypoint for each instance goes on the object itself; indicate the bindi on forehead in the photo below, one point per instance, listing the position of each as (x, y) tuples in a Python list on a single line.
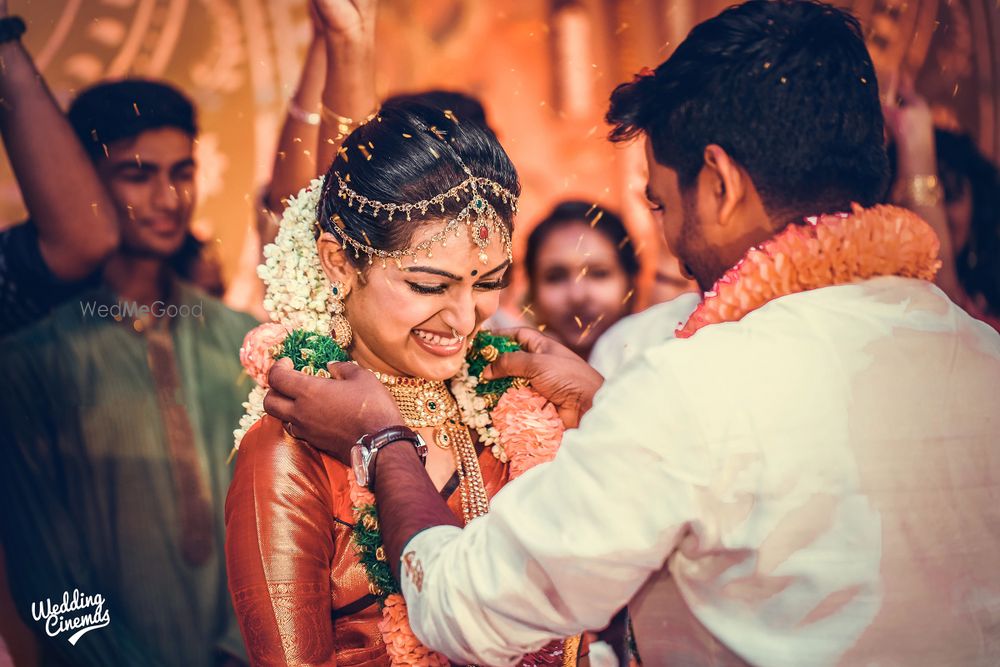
[(475, 272)]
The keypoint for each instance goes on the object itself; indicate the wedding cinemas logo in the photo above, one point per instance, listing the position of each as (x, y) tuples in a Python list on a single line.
[(78, 614)]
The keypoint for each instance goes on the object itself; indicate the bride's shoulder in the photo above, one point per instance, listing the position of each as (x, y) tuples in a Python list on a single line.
[(275, 472), (267, 449)]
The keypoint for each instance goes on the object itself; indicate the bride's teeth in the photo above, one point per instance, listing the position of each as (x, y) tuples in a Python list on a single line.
[(435, 339)]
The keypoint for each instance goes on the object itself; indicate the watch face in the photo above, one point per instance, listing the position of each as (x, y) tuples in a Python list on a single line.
[(359, 464)]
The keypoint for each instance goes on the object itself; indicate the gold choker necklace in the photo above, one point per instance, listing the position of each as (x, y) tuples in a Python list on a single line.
[(429, 404), (423, 403)]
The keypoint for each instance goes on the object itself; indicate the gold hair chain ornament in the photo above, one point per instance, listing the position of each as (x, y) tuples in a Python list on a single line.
[(429, 404), (479, 216)]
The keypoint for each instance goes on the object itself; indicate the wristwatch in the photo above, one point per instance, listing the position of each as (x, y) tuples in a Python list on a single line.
[(11, 28), (364, 451)]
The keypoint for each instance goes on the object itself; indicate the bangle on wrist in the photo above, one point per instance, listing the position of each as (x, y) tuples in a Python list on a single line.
[(344, 124), (919, 190), (296, 112)]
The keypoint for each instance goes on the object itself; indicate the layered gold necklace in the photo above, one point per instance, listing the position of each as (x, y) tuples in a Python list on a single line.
[(429, 404)]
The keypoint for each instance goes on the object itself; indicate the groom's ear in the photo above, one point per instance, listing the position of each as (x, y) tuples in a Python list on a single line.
[(334, 261), (726, 181)]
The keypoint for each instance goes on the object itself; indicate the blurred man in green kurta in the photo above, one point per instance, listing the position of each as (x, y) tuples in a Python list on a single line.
[(121, 407)]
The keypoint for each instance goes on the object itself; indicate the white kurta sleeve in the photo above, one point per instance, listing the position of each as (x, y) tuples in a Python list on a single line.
[(567, 544)]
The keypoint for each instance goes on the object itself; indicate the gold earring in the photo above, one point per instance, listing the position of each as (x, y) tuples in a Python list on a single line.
[(340, 328)]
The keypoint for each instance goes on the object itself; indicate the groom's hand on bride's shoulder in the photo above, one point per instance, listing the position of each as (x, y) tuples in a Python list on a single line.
[(554, 371), (330, 413)]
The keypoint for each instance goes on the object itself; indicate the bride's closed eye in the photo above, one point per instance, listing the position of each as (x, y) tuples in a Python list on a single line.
[(483, 286), (495, 279), (491, 285), (423, 288)]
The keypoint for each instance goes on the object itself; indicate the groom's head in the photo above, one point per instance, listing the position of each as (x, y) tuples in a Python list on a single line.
[(765, 114)]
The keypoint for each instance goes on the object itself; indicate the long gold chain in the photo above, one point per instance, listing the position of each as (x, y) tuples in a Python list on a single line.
[(475, 501), (429, 404)]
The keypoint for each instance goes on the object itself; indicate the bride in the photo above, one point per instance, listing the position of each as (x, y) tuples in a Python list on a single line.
[(400, 253)]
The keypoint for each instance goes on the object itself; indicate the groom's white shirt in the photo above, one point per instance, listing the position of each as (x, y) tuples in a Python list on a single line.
[(641, 331), (817, 484)]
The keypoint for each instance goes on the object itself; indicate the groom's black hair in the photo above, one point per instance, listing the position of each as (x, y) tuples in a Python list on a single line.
[(787, 88)]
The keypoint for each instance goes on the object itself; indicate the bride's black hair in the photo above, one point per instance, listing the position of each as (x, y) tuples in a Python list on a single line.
[(408, 153)]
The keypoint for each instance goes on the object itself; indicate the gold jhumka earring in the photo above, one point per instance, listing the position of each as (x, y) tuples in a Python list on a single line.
[(340, 328)]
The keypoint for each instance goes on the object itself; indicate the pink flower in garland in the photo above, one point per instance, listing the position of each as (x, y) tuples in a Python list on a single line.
[(360, 496), (259, 346), (401, 644), (828, 250), (530, 429)]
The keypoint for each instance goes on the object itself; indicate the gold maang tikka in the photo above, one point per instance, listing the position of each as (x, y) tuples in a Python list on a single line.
[(478, 216)]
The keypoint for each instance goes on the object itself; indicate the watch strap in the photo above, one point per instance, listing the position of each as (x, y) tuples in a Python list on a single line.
[(376, 441), (379, 439)]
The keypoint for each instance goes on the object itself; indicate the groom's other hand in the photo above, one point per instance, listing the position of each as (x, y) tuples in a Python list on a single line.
[(330, 413), (553, 370)]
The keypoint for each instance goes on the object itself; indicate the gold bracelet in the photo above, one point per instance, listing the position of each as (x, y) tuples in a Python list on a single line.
[(296, 112), (920, 190), (343, 124)]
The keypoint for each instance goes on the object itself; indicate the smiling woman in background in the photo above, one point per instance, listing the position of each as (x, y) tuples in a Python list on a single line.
[(582, 270)]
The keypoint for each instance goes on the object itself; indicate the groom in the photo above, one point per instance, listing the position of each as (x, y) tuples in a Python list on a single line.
[(809, 474)]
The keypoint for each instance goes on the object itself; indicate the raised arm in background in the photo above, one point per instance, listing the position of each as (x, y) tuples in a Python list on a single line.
[(337, 80), (917, 185), (76, 221), (349, 91), (295, 160)]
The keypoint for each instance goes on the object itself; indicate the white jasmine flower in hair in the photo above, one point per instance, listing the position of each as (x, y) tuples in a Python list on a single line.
[(296, 288), (254, 406)]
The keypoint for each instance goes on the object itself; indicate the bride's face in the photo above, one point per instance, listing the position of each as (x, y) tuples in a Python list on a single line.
[(417, 320)]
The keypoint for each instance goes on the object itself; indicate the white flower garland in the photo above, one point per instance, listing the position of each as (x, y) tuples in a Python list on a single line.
[(474, 411), (298, 291), (296, 287), (254, 406), (472, 407)]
